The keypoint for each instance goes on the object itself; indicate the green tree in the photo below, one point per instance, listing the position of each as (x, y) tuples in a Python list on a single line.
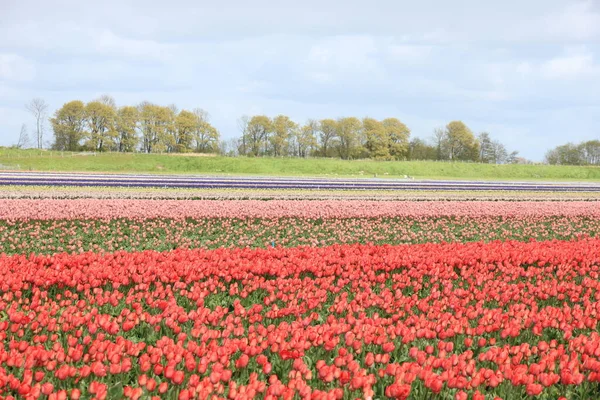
[(206, 136), (257, 134), (513, 158), (242, 123), (101, 121), (169, 140), (349, 134), (282, 127), (377, 139), (154, 123), (418, 149), (398, 135), (68, 125), (185, 123), (460, 142), (590, 152), (306, 138), (127, 119), (327, 135), (439, 139), (485, 148), (567, 154)]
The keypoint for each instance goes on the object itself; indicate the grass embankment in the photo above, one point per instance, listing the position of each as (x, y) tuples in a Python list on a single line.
[(35, 160)]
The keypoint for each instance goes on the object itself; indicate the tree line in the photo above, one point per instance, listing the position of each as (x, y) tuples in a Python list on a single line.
[(585, 153), (100, 125), (352, 138)]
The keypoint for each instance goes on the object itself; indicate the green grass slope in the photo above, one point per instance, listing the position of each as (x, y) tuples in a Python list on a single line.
[(35, 160)]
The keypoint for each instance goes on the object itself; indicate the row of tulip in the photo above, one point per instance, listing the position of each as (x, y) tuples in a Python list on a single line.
[(51, 192), (465, 321), (75, 236), (13, 209)]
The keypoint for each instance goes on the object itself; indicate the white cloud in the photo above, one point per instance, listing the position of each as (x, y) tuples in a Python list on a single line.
[(16, 68), (579, 20), (524, 69), (343, 58), (108, 42), (410, 54), (575, 65), (422, 60)]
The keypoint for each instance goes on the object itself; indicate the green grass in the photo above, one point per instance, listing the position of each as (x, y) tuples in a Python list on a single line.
[(35, 160)]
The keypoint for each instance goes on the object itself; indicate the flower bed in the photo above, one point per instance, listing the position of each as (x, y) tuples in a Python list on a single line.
[(475, 320)]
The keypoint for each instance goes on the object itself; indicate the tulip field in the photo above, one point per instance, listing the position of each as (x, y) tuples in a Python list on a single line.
[(299, 299)]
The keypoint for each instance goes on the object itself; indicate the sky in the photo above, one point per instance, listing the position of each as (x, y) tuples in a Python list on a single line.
[(527, 72)]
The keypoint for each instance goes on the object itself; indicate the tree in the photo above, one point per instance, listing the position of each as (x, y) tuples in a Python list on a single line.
[(398, 135), (168, 141), (154, 121), (567, 154), (242, 124), (513, 157), (257, 132), (327, 134), (68, 125), (185, 125), (349, 135), (101, 119), (126, 139), (23, 142), (38, 108), (377, 139), (282, 127), (205, 136), (460, 142), (108, 100), (232, 147), (590, 152), (485, 148), (418, 149), (306, 138), (496, 153), (439, 140)]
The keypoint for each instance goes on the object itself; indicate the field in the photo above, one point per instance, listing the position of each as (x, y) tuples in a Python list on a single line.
[(32, 160), (112, 294)]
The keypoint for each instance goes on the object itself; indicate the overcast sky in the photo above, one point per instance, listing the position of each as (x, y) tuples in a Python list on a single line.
[(528, 72)]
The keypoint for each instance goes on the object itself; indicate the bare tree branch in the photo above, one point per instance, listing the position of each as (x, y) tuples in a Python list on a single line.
[(38, 108), (23, 142)]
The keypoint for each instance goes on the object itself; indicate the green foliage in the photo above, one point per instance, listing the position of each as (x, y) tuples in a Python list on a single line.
[(154, 121), (185, 123), (586, 153), (349, 131), (377, 139), (283, 129), (101, 121), (148, 127), (68, 125), (327, 135), (418, 149), (205, 136), (257, 134), (398, 135), (126, 124), (460, 142), (305, 141)]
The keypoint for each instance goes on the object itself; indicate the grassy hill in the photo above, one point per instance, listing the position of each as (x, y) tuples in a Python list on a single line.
[(35, 160)]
